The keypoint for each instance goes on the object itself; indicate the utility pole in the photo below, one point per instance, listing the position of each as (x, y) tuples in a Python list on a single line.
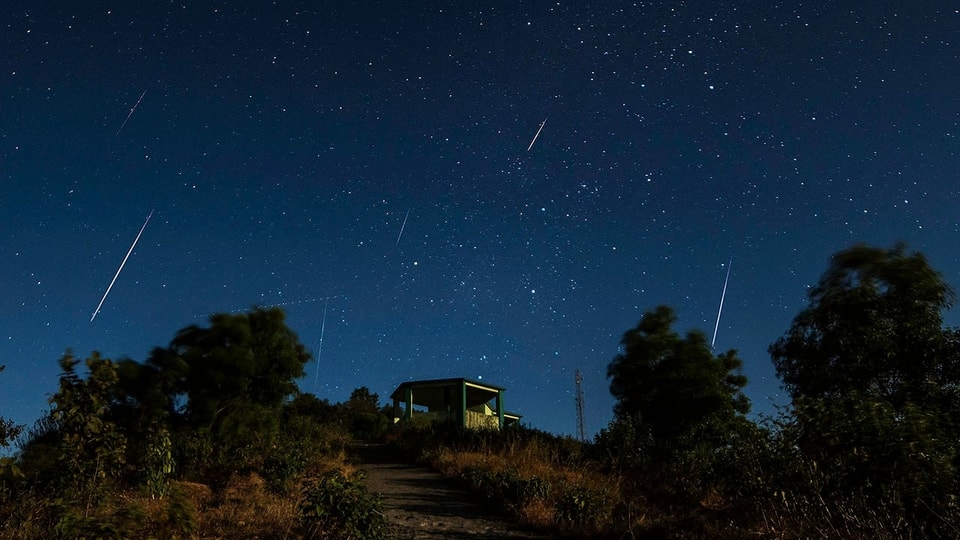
[(580, 430)]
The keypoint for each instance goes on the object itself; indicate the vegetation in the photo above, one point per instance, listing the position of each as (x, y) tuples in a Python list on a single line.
[(209, 438), (875, 378), (337, 506), (8, 429), (868, 448), (545, 481), (679, 407), (8, 432)]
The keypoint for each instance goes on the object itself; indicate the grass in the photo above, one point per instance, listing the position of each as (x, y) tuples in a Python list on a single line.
[(245, 506), (541, 486)]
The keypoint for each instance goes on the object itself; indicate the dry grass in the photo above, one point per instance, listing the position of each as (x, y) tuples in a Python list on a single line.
[(538, 513), (338, 461), (200, 495), (531, 460), (524, 463), (246, 508)]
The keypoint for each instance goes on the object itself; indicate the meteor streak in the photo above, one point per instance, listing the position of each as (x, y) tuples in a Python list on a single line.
[(404, 224), (114, 280), (537, 135), (323, 324), (135, 105), (722, 296)]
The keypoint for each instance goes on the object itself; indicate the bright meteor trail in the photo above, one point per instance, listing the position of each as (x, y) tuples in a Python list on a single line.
[(722, 296), (323, 325), (404, 224), (114, 280), (537, 135), (135, 105)]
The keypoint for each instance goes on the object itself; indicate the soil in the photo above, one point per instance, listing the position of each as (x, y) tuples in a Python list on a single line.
[(420, 504)]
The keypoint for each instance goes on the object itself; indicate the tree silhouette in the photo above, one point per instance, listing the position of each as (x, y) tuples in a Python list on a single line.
[(875, 382), (362, 416), (221, 388), (251, 360), (8, 429), (674, 385), (874, 327), (91, 446)]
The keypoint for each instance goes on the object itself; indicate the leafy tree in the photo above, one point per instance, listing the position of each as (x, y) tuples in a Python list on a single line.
[(674, 385), (252, 359), (91, 447), (362, 416), (232, 378), (874, 327), (874, 378), (146, 393), (8, 432), (143, 407), (679, 414), (8, 429), (306, 405), (363, 401)]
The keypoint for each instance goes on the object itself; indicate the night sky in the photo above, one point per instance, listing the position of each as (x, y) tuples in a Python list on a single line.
[(367, 167)]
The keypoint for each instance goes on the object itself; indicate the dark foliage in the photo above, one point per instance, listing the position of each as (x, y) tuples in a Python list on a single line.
[(8, 429), (677, 391), (239, 362), (362, 415), (875, 378), (874, 326), (218, 403), (337, 507)]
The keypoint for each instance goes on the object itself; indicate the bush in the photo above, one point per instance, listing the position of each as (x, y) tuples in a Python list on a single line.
[(281, 466), (181, 515), (583, 509), (338, 507), (119, 524), (518, 491)]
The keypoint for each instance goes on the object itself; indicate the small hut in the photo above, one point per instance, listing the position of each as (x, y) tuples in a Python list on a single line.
[(471, 404)]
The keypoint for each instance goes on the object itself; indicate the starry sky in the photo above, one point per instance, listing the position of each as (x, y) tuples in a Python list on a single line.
[(367, 166)]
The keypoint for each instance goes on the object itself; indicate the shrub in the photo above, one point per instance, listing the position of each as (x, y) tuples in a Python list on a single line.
[(181, 514), (583, 509), (338, 507), (121, 523), (518, 491), (157, 465), (281, 466)]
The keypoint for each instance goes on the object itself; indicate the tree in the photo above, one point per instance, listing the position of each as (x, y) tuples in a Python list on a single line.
[(8, 429), (873, 327), (234, 377), (679, 414), (240, 361), (874, 378), (91, 447), (363, 401), (675, 385), (362, 416), (309, 406)]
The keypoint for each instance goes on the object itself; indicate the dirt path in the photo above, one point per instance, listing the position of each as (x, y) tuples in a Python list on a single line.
[(420, 504)]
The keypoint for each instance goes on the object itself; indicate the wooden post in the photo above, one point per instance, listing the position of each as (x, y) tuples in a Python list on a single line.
[(409, 397), (463, 404), (500, 408)]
